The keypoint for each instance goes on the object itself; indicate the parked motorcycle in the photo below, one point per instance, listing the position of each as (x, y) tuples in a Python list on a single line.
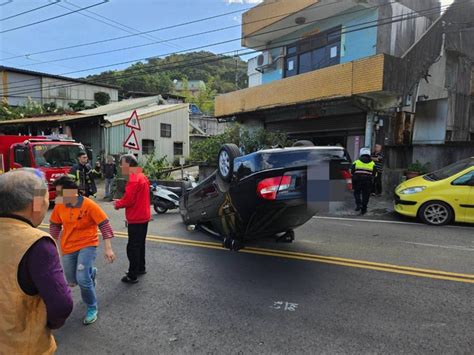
[(165, 198)]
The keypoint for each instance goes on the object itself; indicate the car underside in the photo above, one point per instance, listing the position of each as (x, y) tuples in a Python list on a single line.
[(264, 194)]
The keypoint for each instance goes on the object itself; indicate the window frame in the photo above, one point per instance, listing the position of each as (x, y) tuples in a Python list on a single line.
[(324, 40), (164, 130), (174, 149), (147, 145)]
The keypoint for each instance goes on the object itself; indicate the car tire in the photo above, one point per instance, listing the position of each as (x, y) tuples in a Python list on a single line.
[(160, 207), (225, 161), (436, 213)]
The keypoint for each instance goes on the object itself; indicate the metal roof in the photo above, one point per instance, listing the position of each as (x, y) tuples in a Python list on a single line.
[(124, 105), (55, 118), (60, 77), (144, 112)]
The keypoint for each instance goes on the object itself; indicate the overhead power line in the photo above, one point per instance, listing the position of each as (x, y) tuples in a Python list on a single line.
[(112, 23), (53, 18), (29, 11), (391, 20), (137, 34)]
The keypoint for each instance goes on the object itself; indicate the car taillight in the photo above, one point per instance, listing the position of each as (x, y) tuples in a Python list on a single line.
[(269, 188)]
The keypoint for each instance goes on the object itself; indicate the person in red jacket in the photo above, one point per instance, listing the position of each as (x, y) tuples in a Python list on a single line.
[(136, 202)]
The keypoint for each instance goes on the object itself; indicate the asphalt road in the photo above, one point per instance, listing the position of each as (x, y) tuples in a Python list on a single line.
[(344, 286)]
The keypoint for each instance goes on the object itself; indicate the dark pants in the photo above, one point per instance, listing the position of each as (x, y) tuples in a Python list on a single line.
[(362, 189), (136, 248), (378, 184)]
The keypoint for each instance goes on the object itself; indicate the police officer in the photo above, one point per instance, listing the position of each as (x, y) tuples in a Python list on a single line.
[(84, 175), (363, 171)]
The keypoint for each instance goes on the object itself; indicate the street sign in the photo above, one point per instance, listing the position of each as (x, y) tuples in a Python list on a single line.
[(182, 161), (132, 142), (133, 122)]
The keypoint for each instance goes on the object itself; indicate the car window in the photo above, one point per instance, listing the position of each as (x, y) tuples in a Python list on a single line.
[(465, 179), (451, 170)]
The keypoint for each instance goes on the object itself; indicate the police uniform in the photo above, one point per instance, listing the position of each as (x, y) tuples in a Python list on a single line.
[(363, 171)]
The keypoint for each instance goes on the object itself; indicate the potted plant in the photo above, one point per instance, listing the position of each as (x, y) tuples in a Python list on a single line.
[(416, 169)]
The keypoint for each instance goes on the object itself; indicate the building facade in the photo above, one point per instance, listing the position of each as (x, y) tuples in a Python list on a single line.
[(164, 128), (350, 72), (20, 86)]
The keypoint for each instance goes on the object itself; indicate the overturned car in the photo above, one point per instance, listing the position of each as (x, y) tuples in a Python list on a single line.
[(267, 193)]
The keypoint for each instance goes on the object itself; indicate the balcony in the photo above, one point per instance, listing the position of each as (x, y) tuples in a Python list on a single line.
[(375, 76)]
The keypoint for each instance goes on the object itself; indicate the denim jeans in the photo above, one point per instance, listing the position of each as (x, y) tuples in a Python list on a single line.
[(108, 186), (78, 268)]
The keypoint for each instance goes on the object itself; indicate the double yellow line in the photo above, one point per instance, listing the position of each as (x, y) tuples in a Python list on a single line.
[(361, 264)]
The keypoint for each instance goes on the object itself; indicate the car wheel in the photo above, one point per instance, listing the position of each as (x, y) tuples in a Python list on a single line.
[(225, 161), (436, 213), (160, 207)]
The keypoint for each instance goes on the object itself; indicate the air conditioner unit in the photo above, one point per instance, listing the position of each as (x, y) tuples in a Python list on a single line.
[(264, 59)]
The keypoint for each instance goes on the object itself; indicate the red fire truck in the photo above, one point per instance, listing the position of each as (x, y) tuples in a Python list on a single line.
[(54, 155)]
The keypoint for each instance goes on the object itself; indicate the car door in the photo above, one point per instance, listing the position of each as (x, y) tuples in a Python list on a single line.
[(463, 188)]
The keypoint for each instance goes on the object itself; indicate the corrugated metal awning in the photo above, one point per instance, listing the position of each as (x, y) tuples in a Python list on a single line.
[(56, 118)]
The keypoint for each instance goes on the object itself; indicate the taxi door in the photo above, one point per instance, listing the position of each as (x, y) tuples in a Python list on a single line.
[(465, 208)]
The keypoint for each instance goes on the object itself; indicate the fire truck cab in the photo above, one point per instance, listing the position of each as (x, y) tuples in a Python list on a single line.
[(53, 155)]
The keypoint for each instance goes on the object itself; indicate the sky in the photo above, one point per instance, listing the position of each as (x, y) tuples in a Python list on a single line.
[(110, 18)]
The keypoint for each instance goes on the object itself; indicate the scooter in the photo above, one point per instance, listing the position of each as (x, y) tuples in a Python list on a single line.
[(164, 199)]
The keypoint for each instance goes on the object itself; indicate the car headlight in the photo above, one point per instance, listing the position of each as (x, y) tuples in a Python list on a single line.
[(412, 190)]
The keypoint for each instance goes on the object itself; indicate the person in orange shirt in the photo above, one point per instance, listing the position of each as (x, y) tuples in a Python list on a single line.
[(74, 222)]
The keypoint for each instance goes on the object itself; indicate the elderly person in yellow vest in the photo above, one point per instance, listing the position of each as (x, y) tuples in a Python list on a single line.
[(363, 171), (34, 297)]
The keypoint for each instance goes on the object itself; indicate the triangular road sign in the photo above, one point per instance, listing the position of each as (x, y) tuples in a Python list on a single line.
[(132, 142), (133, 122)]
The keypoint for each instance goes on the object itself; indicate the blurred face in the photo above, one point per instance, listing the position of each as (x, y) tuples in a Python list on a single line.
[(378, 148), (66, 196), (83, 159), (40, 206), (127, 169)]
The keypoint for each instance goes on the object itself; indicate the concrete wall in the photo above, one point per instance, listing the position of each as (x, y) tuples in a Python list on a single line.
[(63, 92), (430, 122), (19, 87), (399, 157), (395, 38)]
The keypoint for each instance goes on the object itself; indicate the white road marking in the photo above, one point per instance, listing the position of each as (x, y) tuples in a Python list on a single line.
[(385, 221), (284, 306), (457, 247)]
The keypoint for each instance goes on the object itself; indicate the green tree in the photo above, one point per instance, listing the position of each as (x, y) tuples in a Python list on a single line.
[(102, 98), (250, 141)]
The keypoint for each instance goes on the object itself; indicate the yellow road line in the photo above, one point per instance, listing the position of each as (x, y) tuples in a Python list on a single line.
[(361, 264)]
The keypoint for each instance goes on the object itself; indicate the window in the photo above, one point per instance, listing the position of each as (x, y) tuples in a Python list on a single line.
[(291, 66), (466, 179), (148, 146), (165, 130), (178, 148), (305, 62), (319, 51), (22, 156)]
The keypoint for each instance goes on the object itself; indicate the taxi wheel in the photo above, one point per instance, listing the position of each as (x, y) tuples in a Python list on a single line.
[(436, 213)]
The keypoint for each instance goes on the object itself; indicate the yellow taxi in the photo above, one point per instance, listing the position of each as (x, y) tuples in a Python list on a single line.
[(440, 197)]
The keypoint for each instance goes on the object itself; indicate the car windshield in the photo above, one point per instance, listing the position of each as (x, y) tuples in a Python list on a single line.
[(450, 170), (55, 155)]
